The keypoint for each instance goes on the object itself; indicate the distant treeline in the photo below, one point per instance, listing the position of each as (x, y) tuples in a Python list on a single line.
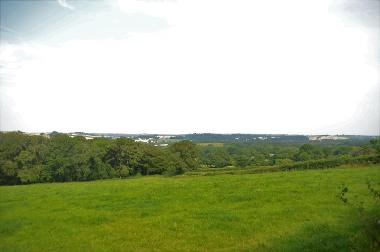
[(212, 138), (275, 154), (31, 159), (257, 138), (325, 163), (59, 158)]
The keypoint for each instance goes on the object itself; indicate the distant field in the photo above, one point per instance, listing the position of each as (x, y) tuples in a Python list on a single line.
[(212, 144), (233, 170), (284, 211)]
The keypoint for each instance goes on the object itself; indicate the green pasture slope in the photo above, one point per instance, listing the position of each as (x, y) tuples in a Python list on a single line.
[(283, 211)]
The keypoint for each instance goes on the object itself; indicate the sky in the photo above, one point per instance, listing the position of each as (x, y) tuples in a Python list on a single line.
[(190, 66)]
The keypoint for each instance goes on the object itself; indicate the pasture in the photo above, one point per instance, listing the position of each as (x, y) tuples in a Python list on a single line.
[(283, 211)]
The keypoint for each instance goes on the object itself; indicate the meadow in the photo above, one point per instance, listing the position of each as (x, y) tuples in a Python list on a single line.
[(283, 211)]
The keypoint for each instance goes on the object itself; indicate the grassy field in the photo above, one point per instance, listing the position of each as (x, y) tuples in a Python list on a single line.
[(284, 211), (211, 144)]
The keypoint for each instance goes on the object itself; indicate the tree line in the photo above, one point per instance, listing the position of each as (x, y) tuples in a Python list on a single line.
[(277, 154), (59, 158), (31, 159)]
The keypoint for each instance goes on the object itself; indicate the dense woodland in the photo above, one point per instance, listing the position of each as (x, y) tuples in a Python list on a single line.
[(59, 158)]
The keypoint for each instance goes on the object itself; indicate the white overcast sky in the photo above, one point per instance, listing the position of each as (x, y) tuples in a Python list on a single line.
[(221, 66)]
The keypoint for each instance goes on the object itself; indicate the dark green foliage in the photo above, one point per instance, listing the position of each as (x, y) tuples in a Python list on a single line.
[(375, 145), (269, 154), (218, 157), (188, 152), (331, 162), (308, 152), (60, 157), (290, 166), (32, 159)]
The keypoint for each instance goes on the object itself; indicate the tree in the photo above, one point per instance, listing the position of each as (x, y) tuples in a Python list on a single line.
[(188, 152), (216, 157), (308, 152), (31, 174), (375, 145), (124, 152), (8, 173)]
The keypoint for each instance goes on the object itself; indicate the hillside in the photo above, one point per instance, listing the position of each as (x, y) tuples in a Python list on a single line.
[(285, 211)]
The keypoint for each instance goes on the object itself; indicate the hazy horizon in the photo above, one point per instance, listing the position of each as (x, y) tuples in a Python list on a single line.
[(187, 133), (183, 67)]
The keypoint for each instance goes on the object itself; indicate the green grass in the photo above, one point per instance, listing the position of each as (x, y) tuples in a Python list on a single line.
[(211, 144), (284, 211)]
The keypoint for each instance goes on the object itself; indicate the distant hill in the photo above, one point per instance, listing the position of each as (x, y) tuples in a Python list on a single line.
[(225, 138), (209, 137)]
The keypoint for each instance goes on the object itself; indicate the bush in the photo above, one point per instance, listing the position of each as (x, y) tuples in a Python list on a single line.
[(329, 163), (369, 216)]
